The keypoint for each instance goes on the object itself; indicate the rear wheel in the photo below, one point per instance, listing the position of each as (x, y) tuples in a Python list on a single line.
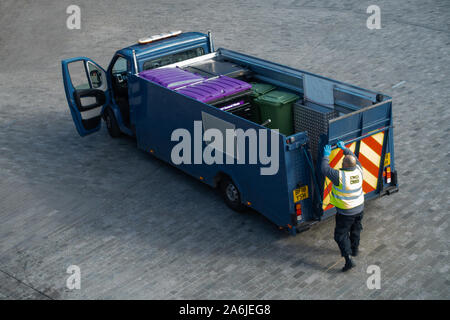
[(231, 195), (111, 124)]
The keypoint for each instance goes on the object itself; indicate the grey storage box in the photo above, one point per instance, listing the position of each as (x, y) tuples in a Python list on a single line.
[(214, 68)]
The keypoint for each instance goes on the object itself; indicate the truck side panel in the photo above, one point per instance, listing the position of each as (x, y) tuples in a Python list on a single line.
[(159, 111)]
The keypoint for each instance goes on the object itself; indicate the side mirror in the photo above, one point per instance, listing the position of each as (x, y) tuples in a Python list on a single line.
[(96, 78), (87, 99)]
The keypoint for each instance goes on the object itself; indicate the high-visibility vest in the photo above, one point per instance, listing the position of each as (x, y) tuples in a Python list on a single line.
[(349, 193)]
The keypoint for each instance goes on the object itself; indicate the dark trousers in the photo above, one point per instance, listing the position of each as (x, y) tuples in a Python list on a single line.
[(347, 232)]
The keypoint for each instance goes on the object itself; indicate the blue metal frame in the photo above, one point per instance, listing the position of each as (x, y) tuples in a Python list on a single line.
[(354, 127)]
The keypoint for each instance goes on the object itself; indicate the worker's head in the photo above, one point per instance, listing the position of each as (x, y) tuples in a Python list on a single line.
[(349, 161)]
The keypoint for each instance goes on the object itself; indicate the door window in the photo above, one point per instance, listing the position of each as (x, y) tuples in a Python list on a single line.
[(96, 76), (119, 73), (82, 77), (78, 75), (120, 66)]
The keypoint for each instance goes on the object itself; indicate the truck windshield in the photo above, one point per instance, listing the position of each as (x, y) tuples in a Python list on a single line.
[(173, 58)]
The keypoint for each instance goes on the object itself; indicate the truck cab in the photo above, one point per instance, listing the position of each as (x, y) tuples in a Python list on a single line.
[(94, 93)]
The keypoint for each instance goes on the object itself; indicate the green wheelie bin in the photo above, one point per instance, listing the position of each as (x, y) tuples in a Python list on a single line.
[(258, 89), (277, 106)]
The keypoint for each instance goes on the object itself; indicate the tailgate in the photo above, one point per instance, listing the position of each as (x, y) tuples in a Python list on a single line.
[(368, 132)]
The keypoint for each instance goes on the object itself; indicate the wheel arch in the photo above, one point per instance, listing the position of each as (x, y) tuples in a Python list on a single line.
[(221, 175)]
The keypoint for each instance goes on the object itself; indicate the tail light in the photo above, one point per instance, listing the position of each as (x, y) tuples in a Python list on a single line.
[(388, 174), (298, 210)]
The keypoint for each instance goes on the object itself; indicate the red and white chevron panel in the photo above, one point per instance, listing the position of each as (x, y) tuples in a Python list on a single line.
[(370, 151)]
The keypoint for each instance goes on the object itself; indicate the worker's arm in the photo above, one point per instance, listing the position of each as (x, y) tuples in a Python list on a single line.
[(327, 171), (347, 152)]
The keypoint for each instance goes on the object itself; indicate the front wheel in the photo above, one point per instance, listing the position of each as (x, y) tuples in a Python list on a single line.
[(231, 195), (111, 124)]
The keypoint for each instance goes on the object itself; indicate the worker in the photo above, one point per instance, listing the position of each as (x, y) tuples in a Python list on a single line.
[(348, 198)]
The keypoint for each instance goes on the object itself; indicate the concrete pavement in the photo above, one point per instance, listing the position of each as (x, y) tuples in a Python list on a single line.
[(138, 228)]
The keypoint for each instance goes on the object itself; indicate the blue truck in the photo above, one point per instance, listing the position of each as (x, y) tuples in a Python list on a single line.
[(296, 194)]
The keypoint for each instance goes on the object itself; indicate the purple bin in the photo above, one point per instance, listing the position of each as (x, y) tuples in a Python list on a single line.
[(215, 89), (171, 78)]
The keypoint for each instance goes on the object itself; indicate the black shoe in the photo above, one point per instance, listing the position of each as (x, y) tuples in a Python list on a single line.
[(348, 265), (355, 252)]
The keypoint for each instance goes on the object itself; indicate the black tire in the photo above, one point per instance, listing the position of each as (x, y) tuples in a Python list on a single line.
[(111, 124), (231, 195)]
